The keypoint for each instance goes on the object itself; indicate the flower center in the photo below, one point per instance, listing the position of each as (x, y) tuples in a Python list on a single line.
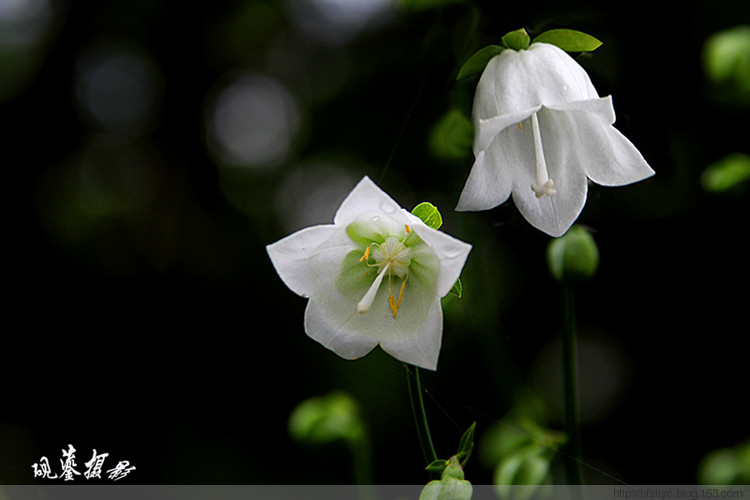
[(391, 258), (544, 184)]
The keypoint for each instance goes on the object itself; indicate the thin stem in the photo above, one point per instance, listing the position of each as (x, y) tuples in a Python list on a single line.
[(433, 455), (420, 416), (570, 372)]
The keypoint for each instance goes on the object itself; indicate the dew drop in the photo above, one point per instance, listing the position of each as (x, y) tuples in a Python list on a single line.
[(387, 207)]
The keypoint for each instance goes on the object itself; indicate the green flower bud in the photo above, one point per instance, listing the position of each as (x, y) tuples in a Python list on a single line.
[(325, 419), (451, 486), (573, 257)]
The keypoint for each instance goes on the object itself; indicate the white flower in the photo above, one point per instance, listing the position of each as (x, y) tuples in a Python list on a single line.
[(374, 277), (541, 130)]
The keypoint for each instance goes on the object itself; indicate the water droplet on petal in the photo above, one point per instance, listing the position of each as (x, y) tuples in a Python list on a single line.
[(387, 206)]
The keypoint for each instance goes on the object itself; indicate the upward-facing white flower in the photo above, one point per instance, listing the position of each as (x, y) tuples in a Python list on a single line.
[(541, 130), (374, 276)]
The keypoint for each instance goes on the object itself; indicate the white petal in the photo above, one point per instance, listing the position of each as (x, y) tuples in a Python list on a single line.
[(291, 256), (421, 346), (556, 213), (601, 107), (365, 197), (591, 144), (335, 334), (518, 80), (493, 175), (451, 253), (487, 129)]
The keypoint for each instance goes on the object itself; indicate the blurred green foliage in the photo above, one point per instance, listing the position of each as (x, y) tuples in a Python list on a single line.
[(729, 174), (726, 466), (726, 62), (521, 449), (326, 419)]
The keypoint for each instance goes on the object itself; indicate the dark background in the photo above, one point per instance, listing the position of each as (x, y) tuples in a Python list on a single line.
[(144, 319)]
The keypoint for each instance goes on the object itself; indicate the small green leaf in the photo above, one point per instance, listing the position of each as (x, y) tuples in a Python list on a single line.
[(458, 289), (438, 466), (569, 40), (466, 445), (429, 214), (517, 40), (478, 61), (467, 440)]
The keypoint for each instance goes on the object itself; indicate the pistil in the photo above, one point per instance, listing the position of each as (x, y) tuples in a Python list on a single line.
[(392, 258), (364, 305), (544, 184)]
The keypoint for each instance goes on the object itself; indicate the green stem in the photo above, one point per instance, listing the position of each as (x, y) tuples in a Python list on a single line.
[(360, 447), (570, 372), (420, 416)]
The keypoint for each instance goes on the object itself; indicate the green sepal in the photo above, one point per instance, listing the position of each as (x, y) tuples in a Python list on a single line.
[(478, 61), (429, 214), (569, 40), (517, 40)]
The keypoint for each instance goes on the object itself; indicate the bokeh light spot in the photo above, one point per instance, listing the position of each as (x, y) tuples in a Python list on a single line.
[(252, 122), (117, 89), (312, 193), (338, 21)]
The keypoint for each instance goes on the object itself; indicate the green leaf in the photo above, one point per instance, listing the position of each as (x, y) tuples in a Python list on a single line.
[(429, 214), (467, 440), (569, 40), (438, 466), (458, 289), (517, 40), (466, 445), (478, 61)]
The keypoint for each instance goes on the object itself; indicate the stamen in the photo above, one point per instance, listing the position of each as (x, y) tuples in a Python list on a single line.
[(392, 300), (400, 295), (364, 305), (520, 127), (408, 229), (544, 184), (366, 255)]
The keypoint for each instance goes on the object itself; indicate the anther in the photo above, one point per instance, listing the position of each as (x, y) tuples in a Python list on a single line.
[(395, 305), (366, 255)]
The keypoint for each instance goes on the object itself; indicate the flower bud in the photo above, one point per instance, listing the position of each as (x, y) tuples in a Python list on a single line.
[(451, 486), (574, 257)]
